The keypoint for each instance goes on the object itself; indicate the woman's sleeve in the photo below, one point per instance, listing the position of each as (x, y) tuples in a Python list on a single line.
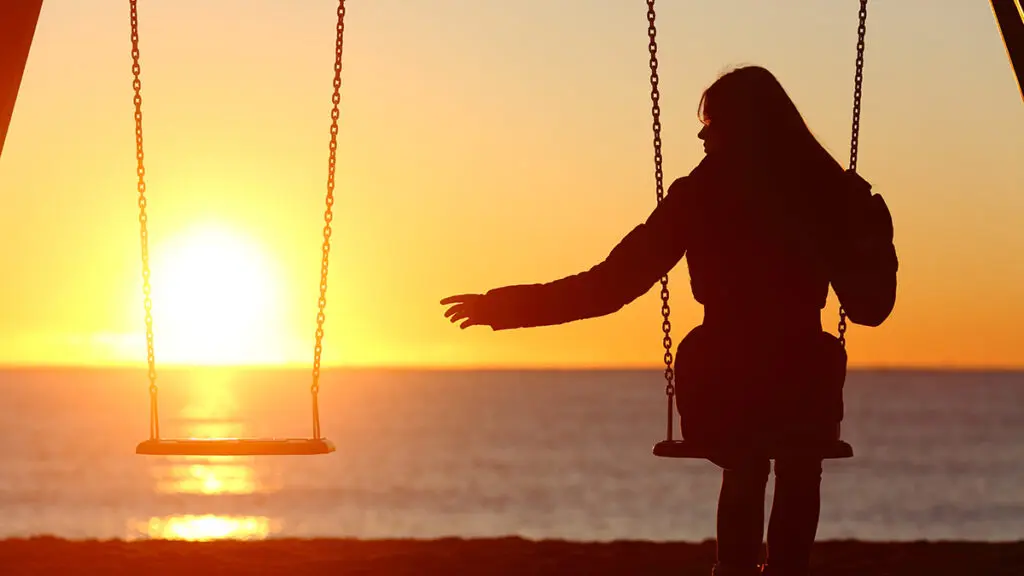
[(865, 265), (639, 260)]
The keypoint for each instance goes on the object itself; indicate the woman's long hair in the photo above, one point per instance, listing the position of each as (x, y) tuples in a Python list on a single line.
[(751, 110)]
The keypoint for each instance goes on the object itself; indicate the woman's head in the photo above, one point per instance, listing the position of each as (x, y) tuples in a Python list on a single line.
[(747, 111)]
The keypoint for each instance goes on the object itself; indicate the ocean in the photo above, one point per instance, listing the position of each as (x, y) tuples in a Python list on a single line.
[(423, 454)]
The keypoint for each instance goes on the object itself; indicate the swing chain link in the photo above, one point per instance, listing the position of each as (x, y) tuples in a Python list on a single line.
[(328, 215), (154, 421), (659, 179), (858, 85)]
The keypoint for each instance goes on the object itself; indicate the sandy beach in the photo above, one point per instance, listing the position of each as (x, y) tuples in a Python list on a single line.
[(497, 557)]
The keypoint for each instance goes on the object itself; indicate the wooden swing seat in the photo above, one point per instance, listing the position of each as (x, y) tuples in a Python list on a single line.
[(683, 449), (236, 447)]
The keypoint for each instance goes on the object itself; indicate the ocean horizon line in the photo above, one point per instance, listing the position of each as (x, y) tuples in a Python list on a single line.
[(299, 367)]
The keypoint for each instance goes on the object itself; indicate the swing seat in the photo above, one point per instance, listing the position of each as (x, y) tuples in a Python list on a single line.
[(683, 449), (236, 447)]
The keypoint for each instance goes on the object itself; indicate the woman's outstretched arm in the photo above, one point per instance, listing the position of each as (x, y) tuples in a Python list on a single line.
[(646, 254)]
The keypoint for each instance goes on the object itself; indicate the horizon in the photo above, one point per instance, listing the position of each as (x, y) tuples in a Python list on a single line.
[(240, 368)]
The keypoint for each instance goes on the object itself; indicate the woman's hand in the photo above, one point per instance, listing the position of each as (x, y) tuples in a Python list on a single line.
[(472, 309)]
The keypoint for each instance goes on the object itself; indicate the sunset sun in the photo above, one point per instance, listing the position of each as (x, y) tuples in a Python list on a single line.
[(215, 300)]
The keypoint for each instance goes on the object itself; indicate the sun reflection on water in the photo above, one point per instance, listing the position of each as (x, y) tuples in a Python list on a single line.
[(211, 398), (205, 527), (207, 476), (211, 411)]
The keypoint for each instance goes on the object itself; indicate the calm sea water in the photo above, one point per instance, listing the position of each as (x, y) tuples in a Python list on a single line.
[(428, 454)]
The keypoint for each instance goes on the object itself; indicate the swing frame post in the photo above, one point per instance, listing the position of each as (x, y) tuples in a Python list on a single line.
[(17, 29), (1010, 20)]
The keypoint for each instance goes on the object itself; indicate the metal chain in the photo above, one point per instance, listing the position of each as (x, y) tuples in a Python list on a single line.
[(328, 216), (659, 180), (858, 85), (154, 418), (154, 427)]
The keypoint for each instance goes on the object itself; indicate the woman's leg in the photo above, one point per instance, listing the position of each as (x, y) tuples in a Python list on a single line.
[(741, 517), (794, 518)]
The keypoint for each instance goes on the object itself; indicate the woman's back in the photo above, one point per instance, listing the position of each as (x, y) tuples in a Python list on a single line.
[(758, 244)]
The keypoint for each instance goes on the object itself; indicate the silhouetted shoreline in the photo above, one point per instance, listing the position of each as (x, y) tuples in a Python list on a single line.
[(498, 557)]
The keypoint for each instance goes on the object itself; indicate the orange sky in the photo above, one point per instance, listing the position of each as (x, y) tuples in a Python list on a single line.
[(482, 143)]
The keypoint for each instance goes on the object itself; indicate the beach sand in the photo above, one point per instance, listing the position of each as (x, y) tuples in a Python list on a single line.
[(497, 557)]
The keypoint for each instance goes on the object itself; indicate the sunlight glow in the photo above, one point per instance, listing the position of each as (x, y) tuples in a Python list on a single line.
[(205, 527), (215, 300), (209, 476)]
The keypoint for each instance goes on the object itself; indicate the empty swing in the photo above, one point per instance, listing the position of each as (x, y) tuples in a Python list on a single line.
[(316, 444), (671, 448)]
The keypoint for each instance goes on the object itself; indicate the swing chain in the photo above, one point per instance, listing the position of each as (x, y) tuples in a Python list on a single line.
[(659, 180), (154, 420), (858, 85), (328, 216)]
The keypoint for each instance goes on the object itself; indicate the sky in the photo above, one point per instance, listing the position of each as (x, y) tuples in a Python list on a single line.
[(482, 143)]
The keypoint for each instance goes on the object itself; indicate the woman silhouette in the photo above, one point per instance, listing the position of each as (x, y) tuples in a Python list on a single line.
[(767, 221)]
